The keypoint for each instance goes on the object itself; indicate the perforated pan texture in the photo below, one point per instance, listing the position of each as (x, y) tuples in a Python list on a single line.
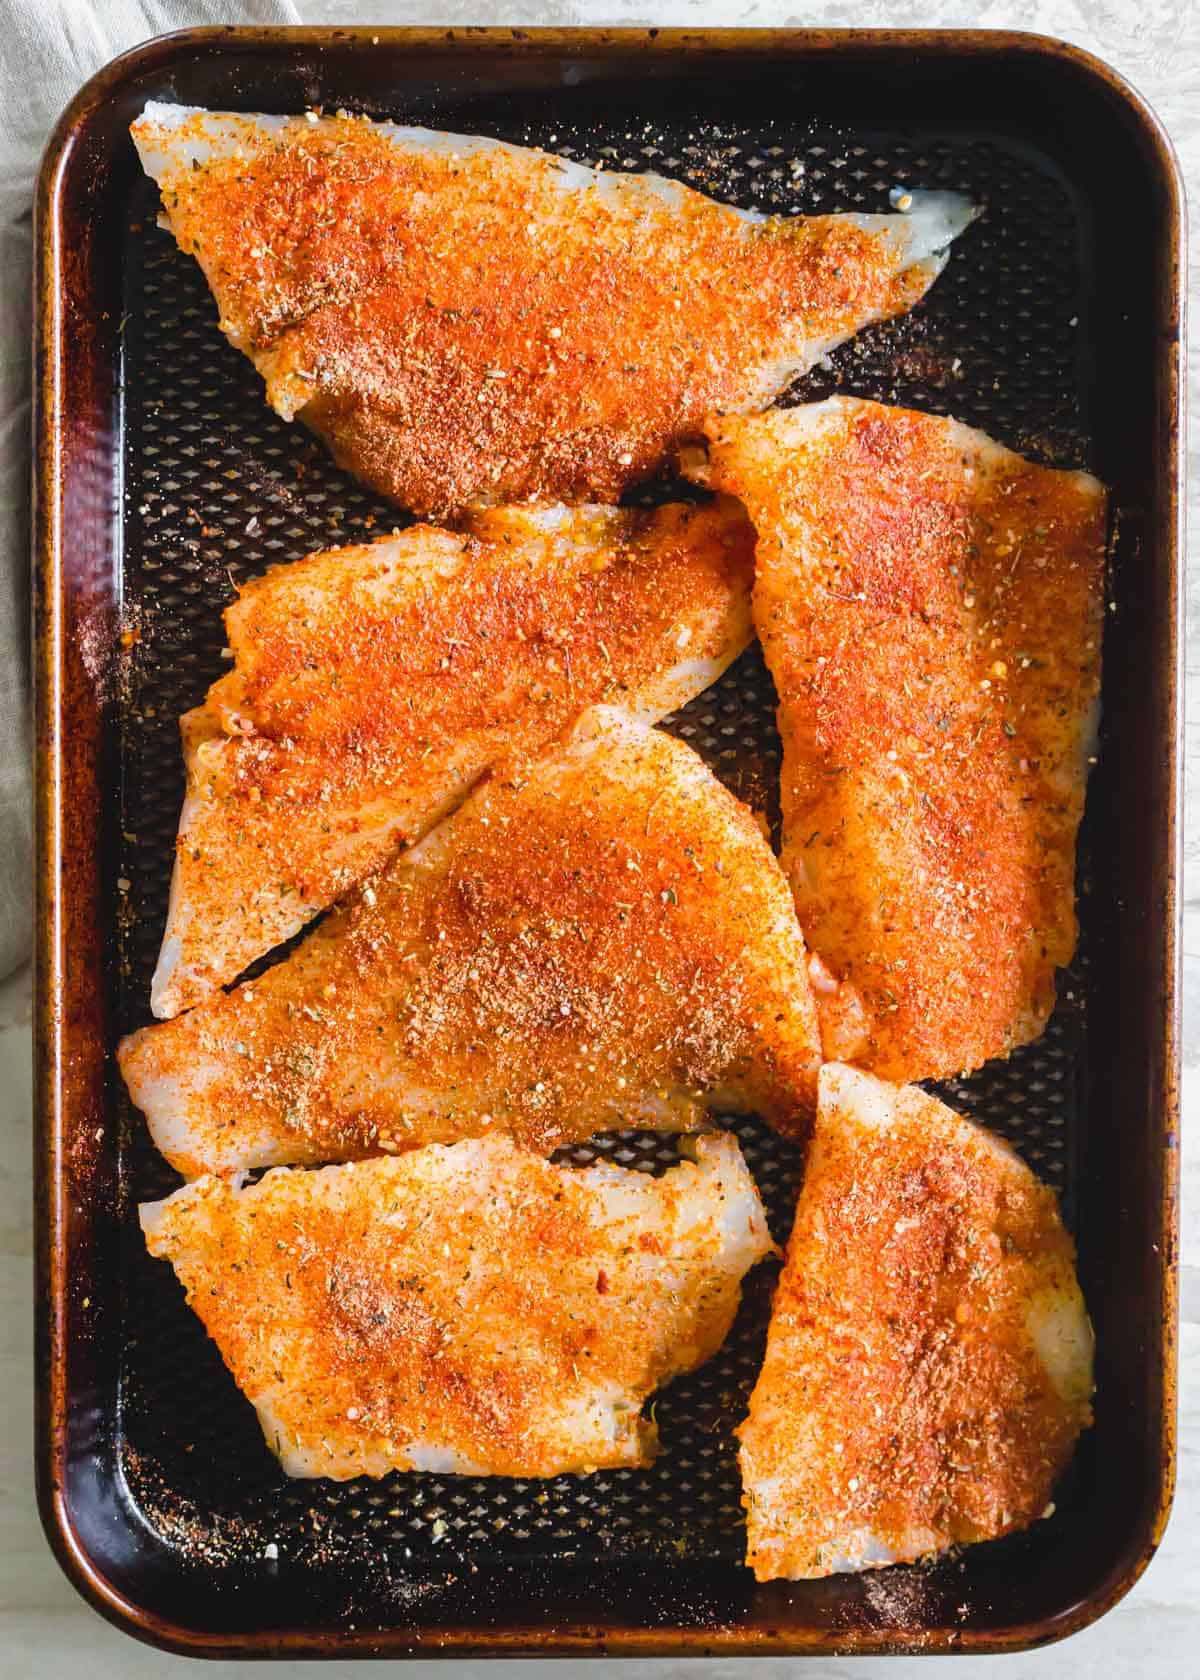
[(216, 489)]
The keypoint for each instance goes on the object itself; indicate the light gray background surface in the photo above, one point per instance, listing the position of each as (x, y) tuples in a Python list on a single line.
[(45, 1631)]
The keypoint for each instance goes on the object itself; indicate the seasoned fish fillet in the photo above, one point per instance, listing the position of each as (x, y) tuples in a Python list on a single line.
[(929, 1360), (372, 685), (930, 606), (606, 941), (467, 322), (470, 1309)]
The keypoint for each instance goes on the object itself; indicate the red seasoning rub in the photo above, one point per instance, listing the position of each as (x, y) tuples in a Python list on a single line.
[(444, 1312), (371, 687), (605, 940), (468, 322), (930, 606), (929, 1360)]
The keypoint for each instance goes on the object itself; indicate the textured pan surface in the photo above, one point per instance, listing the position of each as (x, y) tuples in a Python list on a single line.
[(217, 489)]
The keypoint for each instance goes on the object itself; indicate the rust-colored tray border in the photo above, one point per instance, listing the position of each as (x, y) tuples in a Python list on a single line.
[(1130, 1173)]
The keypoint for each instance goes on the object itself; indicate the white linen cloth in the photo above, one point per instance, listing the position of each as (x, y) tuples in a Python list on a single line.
[(48, 49)]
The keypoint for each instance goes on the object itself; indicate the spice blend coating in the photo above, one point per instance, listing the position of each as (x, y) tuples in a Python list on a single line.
[(603, 942), (929, 1359), (469, 1309), (467, 322), (371, 686), (930, 606)]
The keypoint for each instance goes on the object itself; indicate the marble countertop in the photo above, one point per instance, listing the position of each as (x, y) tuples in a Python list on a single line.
[(45, 1631)]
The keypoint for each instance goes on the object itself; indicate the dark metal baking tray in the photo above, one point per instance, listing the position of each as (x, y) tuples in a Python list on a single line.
[(162, 478)]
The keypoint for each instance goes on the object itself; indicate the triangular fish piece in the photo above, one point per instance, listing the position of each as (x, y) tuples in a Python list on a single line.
[(371, 686), (930, 606), (471, 1310), (929, 1359), (605, 942), (468, 322)]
